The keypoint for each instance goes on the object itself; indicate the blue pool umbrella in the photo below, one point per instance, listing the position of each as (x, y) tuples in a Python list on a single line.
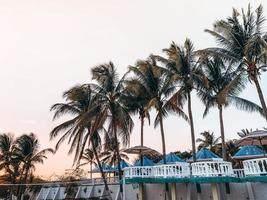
[(249, 151), (171, 158), (205, 154), (146, 162)]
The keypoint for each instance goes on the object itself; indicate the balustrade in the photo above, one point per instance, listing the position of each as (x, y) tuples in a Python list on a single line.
[(255, 166), (212, 168)]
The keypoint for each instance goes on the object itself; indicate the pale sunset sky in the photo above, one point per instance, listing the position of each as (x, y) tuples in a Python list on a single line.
[(48, 46)]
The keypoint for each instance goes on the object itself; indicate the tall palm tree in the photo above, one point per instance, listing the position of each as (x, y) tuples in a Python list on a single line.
[(27, 149), (117, 118), (159, 87), (225, 84), (84, 125), (136, 98), (208, 140), (184, 71), (241, 39)]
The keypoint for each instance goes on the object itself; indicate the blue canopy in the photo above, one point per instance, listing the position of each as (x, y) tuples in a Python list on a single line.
[(123, 164), (205, 154), (105, 167), (171, 158), (249, 151), (146, 162)]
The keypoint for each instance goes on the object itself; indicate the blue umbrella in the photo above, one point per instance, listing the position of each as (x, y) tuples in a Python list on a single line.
[(171, 158), (205, 154), (146, 162), (249, 151)]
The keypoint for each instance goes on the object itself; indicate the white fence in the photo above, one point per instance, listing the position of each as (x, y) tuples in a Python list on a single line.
[(212, 168), (179, 170), (165, 171), (239, 173), (255, 167)]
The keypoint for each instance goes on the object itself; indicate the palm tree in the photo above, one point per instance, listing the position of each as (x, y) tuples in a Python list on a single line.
[(159, 87), (117, 118), (208, 140), (225, 84), (84, 126), (183, 69), (27, 149), (136, 98), (244, 132), (8, 163), (89, 158), (243, 42), (109, 155)]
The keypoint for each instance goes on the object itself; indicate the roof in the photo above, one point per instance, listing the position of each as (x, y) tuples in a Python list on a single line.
[(146, 162), (171, 158), (123, 164), (249, 151), (105, 167), (205, 154)]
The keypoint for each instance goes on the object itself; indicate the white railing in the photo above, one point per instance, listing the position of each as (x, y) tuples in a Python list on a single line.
[(178, 170), (212, 168), (165, 171), (255, 166), (239, 173), (138, 172)]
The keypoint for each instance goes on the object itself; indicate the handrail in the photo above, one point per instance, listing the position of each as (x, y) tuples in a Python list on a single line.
[(255, 166), (212, 168), (239, 173), (169, 170)]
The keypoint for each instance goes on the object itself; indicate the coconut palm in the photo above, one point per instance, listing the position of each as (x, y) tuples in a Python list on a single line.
[(244, 132), (225, 84), (159, 86), (184, 71), (27, 149), (89, 158), (8, 163), (136, 99), (117, 117), (84, 125), (109, 155), (241, 39), (208, 140)]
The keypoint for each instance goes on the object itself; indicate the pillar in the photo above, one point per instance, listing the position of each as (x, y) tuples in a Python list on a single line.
[(215, 191), (173, 191)]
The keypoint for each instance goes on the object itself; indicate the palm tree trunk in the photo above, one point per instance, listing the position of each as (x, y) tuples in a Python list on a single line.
[(191, 127), (162, 137), (141, 156), (118, 157), (91, 168), (163, 150), (142, 137), (261, 97), (20, 180), (222, 132), (100, 168)]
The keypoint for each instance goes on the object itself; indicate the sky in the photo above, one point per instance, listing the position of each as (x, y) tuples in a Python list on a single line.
[(48, 46)]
